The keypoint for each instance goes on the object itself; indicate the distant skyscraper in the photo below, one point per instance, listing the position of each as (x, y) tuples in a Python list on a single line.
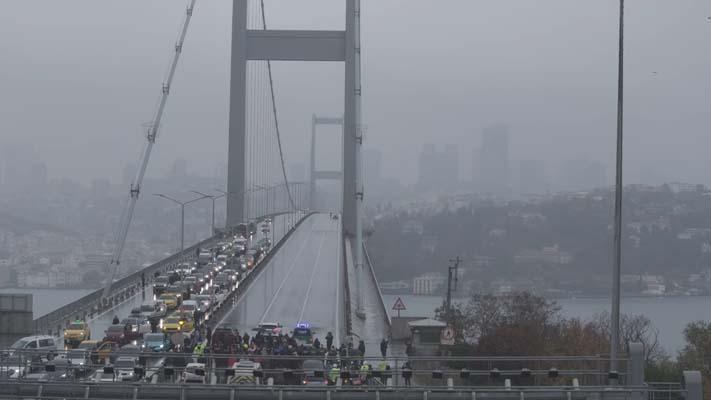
[(438, 170), (532, 177), (493, 163)]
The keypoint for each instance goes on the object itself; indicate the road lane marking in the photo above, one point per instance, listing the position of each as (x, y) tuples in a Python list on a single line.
[(311, 279)]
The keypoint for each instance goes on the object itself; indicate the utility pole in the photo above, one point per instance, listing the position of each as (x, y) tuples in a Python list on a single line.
[(452, 273)]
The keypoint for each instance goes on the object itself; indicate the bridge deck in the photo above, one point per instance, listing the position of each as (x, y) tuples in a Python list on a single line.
[(303, 282)]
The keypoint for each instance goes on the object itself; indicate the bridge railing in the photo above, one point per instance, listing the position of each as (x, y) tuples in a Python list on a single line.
[(377, 286)]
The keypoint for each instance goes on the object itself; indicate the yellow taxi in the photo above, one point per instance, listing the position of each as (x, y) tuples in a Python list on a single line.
[(178, 323), (170, 300), (77, 332)]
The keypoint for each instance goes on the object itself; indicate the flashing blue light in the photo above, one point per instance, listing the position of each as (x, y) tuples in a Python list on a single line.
[(303, 325)]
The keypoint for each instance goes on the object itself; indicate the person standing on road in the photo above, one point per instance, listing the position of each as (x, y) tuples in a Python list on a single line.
[(361, 348), (384, 347), (116, 320), (208, 334), (329, 340), (407, 373), (143, 280)]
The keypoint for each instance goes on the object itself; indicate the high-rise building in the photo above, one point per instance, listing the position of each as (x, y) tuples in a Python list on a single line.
[(493, 162), (532, 177), (438, 170)]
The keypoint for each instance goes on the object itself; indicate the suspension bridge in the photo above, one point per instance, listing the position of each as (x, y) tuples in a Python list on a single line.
[(317, 269)]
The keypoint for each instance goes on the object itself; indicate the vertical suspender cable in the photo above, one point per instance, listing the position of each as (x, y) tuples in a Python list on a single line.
[(135, 189), (276, 119)]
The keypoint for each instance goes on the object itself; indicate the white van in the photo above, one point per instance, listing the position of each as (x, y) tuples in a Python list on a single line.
[(37, 343)]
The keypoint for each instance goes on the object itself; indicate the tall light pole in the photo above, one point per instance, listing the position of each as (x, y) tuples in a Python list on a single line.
[(616, 269), (182, 205), (213, 198)]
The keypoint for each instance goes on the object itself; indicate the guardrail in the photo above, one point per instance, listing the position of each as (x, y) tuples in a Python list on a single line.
[(223, 308), (53, 322), (377, 286), (246, 392)]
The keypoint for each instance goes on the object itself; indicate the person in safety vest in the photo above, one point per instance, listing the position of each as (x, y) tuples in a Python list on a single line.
[(334, 373)]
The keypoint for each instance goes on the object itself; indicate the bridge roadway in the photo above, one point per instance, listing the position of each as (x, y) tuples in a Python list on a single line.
[(302, 283), (102, 321)]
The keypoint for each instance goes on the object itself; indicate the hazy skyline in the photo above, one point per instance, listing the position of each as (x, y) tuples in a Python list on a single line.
[(80, 77)]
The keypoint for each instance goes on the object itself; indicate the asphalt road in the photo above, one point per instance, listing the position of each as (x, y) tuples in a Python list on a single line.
[(301, 283)]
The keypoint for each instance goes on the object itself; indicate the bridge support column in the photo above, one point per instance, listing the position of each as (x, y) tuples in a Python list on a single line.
[(236, 159)]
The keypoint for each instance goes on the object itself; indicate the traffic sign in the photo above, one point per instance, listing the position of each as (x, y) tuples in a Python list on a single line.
[(447, 337), (399, 306)]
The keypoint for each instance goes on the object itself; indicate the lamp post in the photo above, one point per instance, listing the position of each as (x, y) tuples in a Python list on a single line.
[(182, 205), (617, 248), (213, 198)]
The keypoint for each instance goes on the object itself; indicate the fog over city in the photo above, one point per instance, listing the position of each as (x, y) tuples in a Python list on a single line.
[(483, 196), (79, 78)]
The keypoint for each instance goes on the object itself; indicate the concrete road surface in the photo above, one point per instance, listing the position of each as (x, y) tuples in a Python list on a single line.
[(303, 282)]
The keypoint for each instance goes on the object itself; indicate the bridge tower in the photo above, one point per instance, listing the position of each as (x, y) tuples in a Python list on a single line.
[(293, 45), (315, 175)]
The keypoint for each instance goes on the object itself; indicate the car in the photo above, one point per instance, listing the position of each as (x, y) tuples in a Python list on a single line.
[(124, 368), (40, 344), (157, 342), (136, 327), (176, 323), (178, 290), (80, 358), (244, 373), (170, 300), (314, 373), (188, 306), (302, 333), (193, 373), (159, 284), (203, 302), (14, 367), (92, 346), (75, 333), (269, 327), (107, 350), (117, 333)]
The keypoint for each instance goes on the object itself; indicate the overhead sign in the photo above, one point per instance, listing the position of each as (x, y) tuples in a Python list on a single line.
[(399, 305), (447, 336)]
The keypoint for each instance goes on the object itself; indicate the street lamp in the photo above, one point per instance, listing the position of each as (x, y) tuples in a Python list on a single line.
[(182, 205), (213, 198)]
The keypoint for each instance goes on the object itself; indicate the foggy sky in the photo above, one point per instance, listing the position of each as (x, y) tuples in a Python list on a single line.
[(79, 77)]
